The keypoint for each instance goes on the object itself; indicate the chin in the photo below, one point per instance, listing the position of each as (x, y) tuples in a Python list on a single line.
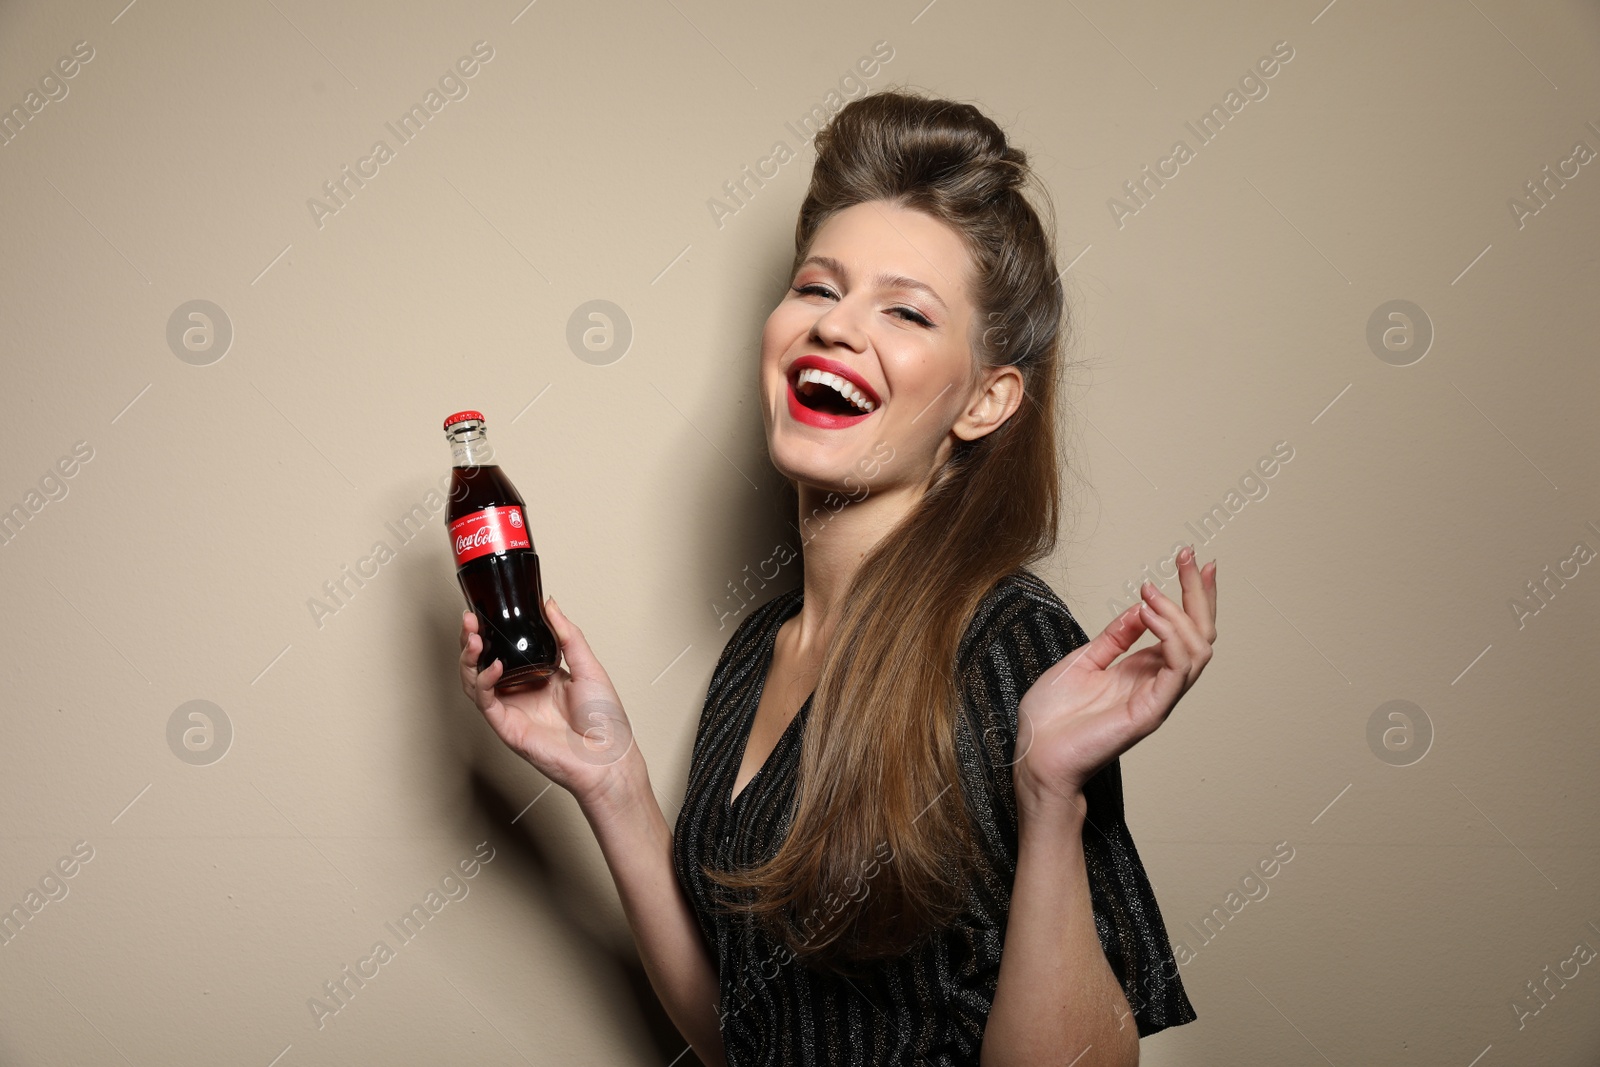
[(813, 463), (852, 470)]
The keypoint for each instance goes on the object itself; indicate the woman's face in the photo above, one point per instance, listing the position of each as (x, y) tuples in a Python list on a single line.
[(882, 302)]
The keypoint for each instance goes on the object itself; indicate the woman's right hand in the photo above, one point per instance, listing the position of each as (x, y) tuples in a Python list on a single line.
[(570, 726)]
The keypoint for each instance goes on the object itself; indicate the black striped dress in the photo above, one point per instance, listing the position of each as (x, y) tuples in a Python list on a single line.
[(929, 1006)]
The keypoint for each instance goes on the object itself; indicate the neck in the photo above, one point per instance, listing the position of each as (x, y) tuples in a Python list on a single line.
[(836, 534)]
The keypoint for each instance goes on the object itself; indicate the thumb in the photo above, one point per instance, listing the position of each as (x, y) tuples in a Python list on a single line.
[(580, 657), (1120, 634)]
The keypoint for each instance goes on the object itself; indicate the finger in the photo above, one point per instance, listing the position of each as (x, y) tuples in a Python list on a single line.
[(466, 631), (1174, 652), (469, 665), (581, 661), (1169, 683), (1196, 601), (495, 713), (483, 686), (1120, 634), (1209, 573), (1175, 631), (1186, 631)]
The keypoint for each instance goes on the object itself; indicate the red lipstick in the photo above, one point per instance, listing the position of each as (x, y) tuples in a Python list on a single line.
[(800, 413), (833, 366)]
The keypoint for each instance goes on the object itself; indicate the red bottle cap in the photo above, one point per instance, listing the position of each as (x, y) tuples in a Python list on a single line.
[(462, 416)]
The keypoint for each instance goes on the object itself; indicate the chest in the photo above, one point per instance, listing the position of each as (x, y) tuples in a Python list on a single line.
[(789, 683)]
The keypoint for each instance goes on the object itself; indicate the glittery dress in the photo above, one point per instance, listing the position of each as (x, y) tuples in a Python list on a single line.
[(930, 1005)]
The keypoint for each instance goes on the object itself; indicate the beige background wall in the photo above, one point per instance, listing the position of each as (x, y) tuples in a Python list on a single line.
[(1228, 314)]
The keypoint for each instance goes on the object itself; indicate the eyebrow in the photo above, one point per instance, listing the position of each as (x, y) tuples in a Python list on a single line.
[(897, 281)]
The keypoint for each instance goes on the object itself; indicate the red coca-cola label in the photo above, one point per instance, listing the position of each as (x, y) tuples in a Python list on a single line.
[(495, 529)]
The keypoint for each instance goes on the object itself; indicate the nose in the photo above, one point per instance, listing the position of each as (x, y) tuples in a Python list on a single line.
[(840, 324)]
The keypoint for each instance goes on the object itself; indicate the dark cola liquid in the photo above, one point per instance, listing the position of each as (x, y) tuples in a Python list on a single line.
[(503, 588)]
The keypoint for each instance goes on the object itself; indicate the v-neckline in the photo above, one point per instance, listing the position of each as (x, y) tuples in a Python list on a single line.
[(747, 725)]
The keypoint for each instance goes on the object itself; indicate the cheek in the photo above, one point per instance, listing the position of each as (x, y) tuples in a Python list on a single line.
[(785, 328), (771, 360), (916, 378), (771, 346), (787, 325), (924, 386)]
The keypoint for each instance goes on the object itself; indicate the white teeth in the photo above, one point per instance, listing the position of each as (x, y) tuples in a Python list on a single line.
[(838, 385)]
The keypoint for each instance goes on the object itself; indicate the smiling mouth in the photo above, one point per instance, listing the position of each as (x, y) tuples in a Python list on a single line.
[(829, 394)]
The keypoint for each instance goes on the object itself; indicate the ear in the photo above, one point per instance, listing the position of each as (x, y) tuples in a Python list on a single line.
[(995, 399)]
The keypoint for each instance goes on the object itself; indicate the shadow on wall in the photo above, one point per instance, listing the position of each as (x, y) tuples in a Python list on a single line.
[(466, 757), (735, 503), (742, 523), (737, 525)]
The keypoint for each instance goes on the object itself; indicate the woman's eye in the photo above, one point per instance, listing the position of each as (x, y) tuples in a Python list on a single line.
[(912, 315), (820, 290)]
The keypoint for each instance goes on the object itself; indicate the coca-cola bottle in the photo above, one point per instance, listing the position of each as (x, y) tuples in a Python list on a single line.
[(495, 559)]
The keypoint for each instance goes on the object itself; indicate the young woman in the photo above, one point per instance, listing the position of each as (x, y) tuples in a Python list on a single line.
[(903, 836)]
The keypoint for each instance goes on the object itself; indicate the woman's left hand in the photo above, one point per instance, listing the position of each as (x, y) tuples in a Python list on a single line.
[(1090, 707)]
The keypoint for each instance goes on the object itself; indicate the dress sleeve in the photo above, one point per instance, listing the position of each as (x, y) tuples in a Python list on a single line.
[(1028, 632)]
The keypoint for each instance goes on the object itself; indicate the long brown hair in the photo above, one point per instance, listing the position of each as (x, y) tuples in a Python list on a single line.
[(878, 758)]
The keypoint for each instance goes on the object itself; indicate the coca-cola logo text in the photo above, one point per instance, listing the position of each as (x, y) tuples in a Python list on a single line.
[(483, 536), (494, 529)]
